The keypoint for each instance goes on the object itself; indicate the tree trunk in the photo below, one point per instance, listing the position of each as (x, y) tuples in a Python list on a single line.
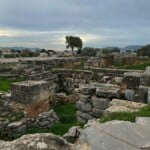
[(72, 49)]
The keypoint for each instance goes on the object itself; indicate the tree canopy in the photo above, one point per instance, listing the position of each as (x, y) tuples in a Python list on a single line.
[(89, 51), (144, 51), (73, 42)]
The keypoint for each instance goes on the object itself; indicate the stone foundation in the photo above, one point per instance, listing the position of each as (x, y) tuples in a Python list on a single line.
[(34, 94)]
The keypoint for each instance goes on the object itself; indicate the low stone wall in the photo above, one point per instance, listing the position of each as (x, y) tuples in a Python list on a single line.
[(94, 99), (74, 77), (14, 129), (114, 72)]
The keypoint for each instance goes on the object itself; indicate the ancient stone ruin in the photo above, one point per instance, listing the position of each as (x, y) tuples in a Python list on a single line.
[(34, 94), (95, 92)]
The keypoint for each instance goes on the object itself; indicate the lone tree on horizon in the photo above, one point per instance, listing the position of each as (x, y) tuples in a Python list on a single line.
[(73, 42)]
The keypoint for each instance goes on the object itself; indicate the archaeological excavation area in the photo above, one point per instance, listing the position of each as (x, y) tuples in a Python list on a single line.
[(66, 103)]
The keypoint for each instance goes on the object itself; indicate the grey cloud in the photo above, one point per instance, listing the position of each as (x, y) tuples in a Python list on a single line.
[(121, 21)]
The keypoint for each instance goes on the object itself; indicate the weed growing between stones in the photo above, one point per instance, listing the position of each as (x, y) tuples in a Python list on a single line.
[(67, 116), (127, 116)]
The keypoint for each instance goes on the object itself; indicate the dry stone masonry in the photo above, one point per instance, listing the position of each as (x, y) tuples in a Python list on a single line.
[(94, 99), (12, 129)]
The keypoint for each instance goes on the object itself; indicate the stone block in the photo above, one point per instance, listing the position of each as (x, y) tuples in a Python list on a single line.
[(132, 79), (87, 90), (97, 112), (145, 121), (84, 107), (118, 80), (84, 98), (30, 91), (108, 92), (148, 97), (99, 103), (145, 79), (148, 70), (141, 94), (117, 105), (82, 120), (84, 116)]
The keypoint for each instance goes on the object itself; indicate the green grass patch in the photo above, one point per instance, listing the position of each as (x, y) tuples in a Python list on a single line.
[(5, 84), (127, 116), (67, 116), (141, 66)]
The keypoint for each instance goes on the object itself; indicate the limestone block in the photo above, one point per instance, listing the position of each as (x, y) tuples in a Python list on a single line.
[(132, 79), (30, 91), (141, 94), (87, 90), (97, 112), (108, 92), (117, 105), (148, 70), (118, 80), (99, 103), (84, 107), (148, 97), (145, 79), (84, 116), (84, 98)]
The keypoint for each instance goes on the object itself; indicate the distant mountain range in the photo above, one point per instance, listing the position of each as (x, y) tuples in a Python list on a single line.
[(129, 47), (22, 48)]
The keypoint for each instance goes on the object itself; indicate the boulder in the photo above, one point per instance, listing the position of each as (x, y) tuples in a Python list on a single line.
[(144, 121), (72, 134), (47, 119), (114, 135), (43, 141), (117, 105)]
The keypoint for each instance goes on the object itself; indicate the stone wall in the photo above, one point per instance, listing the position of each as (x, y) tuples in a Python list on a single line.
[(94, 99), (136, 86), (14, 129), (74, 77), (114, 72)]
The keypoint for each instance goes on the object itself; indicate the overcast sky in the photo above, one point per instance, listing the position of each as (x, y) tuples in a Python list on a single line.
[(100, 23)]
